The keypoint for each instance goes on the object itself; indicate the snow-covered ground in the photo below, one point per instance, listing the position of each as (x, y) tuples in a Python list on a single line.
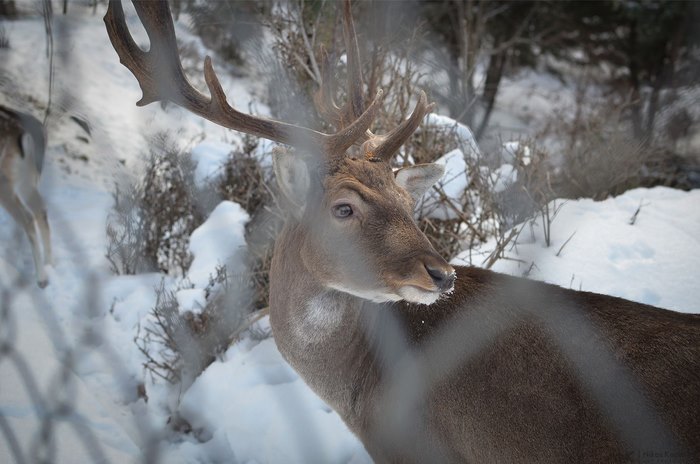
[(249, 405), (643, 245)]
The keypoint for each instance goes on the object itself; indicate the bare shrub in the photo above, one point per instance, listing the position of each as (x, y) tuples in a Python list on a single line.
[(603, 162), (151, 222), (126, 232), (178, 345), (599, 158), (246, 182), (298, 29), (223, 26), (428, 144), (531, 191), (482, 212), (446, 235)]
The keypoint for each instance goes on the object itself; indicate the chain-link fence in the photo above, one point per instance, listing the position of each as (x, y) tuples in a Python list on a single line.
[(50, 412)]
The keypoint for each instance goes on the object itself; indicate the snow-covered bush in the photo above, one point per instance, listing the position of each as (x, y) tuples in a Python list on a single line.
[(152, 219), (247, 181), (244, 180), (189, 327)]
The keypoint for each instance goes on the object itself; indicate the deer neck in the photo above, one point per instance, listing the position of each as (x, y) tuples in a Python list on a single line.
[(317, 330)]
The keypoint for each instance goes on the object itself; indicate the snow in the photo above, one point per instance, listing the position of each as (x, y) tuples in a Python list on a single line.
[(266, 402), (249, 405), (652, 261), (191, 299), (209, 156), (220, 237), (465, 139), (503, 177), (453, 183), (514, 149)]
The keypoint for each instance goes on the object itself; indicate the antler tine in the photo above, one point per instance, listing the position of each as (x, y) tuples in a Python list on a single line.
[(160, 76), (340, 117), (355, 131), (376, 146), (352, 50), (323, 98), (388, 144)]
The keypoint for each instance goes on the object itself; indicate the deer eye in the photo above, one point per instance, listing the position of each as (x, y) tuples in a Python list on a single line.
[(342, 211)]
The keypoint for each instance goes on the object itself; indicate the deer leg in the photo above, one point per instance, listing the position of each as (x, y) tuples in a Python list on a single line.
[(24, 217), (38, 211)]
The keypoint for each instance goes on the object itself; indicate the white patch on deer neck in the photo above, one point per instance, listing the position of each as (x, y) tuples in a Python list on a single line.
[(322, 317)]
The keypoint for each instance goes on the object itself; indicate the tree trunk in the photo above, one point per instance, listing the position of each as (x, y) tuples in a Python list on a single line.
[(8, 8), (665, 72), (456, 103), (636, 104), (494, 73)]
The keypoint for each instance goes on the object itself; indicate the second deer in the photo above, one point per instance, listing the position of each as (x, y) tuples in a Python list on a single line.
[(22, 145)]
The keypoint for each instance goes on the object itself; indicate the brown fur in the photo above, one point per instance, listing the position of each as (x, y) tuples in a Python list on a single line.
[(501, 370)]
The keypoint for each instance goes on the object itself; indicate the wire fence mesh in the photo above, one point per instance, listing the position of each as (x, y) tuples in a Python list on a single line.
[(50, 400)]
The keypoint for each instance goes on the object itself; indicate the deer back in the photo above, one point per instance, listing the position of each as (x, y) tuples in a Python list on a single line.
[(23, 134)]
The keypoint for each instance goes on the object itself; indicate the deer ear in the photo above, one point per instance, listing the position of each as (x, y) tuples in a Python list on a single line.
[(419, 178), (292, 177)]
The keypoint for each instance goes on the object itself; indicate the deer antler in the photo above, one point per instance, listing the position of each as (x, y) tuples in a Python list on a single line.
[(161, 77), (375, 146)]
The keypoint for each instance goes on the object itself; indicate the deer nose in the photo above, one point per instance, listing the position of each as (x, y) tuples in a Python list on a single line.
[(443, 276)]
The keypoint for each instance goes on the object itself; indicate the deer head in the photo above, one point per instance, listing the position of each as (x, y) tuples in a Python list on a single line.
[(354, 211)]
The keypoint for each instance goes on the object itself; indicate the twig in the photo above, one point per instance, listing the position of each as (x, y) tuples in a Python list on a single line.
[(447, 201), (529, 269), (252, 319), (564, 244), (633, 219), (497, 252)]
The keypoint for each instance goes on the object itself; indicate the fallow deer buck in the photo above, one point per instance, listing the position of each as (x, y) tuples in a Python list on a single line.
[(22, 145), (425, 362)]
